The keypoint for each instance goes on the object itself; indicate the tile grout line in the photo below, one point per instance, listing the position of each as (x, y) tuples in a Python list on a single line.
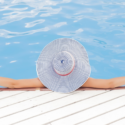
[(115, 121)]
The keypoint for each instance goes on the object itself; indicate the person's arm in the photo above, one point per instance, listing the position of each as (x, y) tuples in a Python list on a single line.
[(7, 82), (104, 83), (24, 83), (20, 83), (35, 82), (97, 83)]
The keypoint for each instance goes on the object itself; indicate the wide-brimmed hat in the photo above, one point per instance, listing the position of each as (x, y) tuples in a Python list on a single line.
[(63, 65)]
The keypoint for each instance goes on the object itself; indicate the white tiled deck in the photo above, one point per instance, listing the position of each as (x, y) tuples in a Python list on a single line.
[(88, 107)]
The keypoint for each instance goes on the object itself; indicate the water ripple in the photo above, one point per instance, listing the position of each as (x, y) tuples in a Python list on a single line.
[(31, 24)]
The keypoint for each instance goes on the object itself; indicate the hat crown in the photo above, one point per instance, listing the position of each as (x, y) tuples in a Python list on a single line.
[(63, 63)]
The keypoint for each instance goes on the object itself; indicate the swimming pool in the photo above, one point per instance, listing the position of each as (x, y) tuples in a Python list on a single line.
[(27, 26)]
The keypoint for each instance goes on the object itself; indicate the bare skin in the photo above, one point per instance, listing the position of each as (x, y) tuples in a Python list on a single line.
[(35, 82)]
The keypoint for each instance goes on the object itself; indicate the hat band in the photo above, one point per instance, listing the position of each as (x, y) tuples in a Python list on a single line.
[(63, 63)]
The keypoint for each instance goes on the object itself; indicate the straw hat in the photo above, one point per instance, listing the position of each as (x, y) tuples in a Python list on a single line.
[(63, 65)]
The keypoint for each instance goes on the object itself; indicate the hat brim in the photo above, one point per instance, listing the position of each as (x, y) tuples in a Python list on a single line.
[(52, 80)]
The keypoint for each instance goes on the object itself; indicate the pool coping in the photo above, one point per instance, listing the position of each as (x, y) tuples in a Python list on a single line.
[(46, 89)]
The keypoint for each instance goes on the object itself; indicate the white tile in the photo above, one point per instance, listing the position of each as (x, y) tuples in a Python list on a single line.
[(20, 97), (27, 105), (53, 108), (42, 109), (5, 94), (92, 108), (110, 116)]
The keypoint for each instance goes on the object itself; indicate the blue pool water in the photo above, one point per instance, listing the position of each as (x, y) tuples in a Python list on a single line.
[(27, 26)]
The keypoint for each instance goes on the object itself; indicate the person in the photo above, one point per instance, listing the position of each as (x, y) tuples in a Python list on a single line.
[(65, 61), (35, 82)]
